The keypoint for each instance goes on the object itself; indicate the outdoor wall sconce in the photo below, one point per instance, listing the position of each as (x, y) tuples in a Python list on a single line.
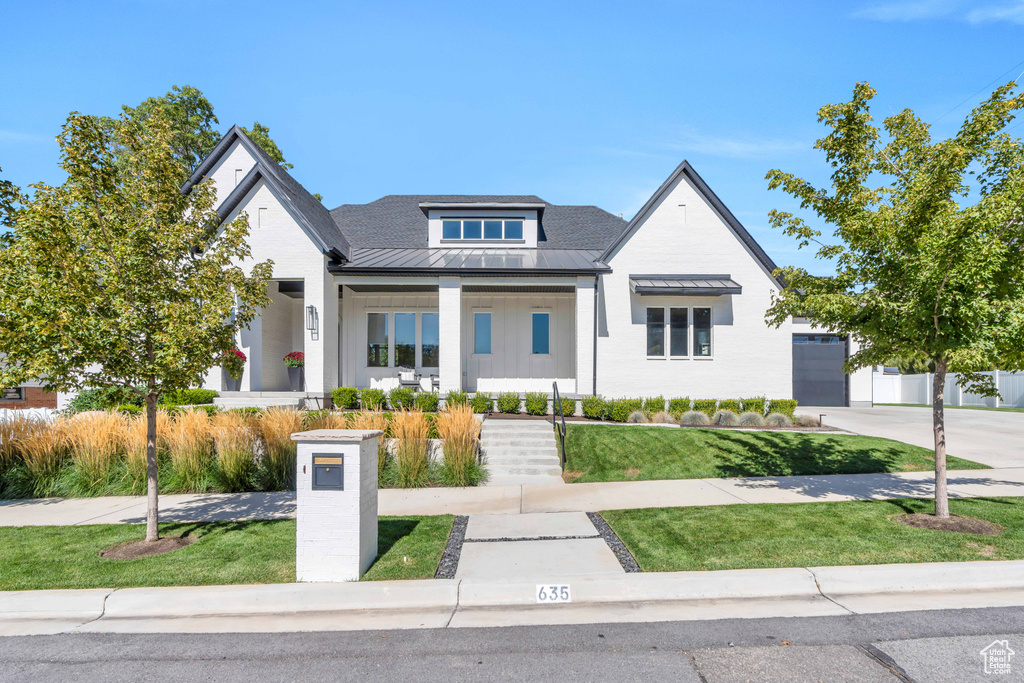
[(311, 321)]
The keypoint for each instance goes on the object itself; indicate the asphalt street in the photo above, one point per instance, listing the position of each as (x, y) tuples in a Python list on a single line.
[(932, 646)]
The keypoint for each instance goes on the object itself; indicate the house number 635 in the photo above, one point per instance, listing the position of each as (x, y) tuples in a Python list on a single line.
[(547, 593)]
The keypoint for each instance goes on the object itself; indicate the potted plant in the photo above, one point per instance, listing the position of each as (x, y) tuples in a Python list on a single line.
[(233, 364), (295, 362)]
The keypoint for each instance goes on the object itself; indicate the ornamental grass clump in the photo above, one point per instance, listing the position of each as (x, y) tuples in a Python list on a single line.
[(459, 431), (806, 421), (751, 419), (135, 441), (277, 466), (190, 446), (637, 417), (661, 417), (324, 419), (694, 418), (96, 442), (12, 430), (412, 447), (778, 420), (374, 419), (235, 443), (44, 450), (726, 418)]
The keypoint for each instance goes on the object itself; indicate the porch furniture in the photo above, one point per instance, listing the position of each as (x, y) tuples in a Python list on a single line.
[(408, 377)]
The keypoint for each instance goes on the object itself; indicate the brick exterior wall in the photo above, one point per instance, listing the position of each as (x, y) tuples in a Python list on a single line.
[(35, 397)]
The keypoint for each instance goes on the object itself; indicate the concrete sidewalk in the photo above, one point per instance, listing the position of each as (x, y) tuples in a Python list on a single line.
[(679, 596), (524, 499)]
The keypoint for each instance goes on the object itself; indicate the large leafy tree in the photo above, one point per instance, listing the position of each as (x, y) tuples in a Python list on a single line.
[(928, 245), (117, 279)]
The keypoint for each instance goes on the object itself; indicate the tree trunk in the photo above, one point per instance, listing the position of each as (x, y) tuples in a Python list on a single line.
[(939, 428), (152, 518)]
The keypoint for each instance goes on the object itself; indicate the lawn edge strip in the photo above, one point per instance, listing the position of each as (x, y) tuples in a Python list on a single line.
[(615, 544)]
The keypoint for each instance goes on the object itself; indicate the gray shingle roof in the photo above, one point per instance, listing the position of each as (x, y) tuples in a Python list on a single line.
[(397, 222), (484, 260)]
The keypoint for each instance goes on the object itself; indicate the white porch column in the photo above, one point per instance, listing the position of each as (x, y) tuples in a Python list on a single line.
[(251, 344), (449, 308), (586, 322), (321, 343)]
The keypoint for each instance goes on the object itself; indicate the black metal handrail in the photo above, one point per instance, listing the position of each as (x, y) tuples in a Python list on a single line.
[(556, 412)]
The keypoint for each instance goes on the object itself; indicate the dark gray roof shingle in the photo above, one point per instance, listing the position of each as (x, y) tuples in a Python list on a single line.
[(398, 222)]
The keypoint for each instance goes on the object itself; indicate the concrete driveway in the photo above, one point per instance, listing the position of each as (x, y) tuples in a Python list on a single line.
[(990, 437)]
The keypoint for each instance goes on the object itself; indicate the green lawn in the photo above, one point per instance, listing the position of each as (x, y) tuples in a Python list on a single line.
[(226, 552), (811, 534), (627, 453), (1005, 409)]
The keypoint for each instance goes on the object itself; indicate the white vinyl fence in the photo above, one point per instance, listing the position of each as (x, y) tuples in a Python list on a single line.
[(917, 390)]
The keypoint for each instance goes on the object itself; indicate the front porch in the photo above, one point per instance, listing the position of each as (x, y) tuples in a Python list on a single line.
[(439, 333)]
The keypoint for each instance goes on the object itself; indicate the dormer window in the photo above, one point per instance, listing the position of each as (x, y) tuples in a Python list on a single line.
[(503, 229)]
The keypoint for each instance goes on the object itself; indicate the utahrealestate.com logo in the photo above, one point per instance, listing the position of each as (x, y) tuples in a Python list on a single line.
[(997, 657)]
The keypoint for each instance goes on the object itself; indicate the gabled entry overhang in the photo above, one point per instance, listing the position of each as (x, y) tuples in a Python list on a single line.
[(683, 285)]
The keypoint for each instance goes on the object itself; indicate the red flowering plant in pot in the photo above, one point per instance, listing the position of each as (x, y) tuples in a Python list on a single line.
[(233, 363), (295, 361)]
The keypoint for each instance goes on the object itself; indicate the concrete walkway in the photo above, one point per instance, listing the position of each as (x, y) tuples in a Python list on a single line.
[(525, 499), (991, 437)]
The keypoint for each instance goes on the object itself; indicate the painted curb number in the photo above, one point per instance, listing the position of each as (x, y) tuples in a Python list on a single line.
[(549, 593)]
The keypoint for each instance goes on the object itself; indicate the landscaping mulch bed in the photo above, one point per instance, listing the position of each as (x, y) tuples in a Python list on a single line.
[(953, 524), (453, 549), (137, 549)]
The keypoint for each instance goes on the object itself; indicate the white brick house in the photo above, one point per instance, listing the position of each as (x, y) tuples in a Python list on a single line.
[(510, 293)]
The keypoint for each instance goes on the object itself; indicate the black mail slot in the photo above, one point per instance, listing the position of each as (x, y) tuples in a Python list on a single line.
[(328, 472)]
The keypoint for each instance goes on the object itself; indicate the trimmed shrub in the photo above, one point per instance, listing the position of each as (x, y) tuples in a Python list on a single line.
[(482, 402), (103, 399), (345, 397), (593, 407), (726, 418), (662, 417), (751, 419), (754, 405), (508, 402), (705, 405), (537, 403), (729, 404), (782, 405), (568, 406), (372, 399), (401, 398), (620, 409), (456, 398), (694, 418), (190, 397), (806, 421), (778, 420), (128, 409), (654, 404), (427, 401), (637, 417), (678, 406)]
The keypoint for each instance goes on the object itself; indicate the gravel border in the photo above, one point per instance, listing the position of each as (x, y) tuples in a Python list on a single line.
[(449, 563), (625, 558)]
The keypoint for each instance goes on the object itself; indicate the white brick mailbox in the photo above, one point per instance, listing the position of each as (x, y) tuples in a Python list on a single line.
[(336, 503)]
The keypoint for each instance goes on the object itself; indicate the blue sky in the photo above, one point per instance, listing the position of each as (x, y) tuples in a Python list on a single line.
[(578, 102)]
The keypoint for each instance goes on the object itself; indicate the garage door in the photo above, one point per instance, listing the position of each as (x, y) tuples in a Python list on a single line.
[(818, 378)]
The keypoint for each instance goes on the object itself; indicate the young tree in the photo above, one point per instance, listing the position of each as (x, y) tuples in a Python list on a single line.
[(116, 279), (928, 249)]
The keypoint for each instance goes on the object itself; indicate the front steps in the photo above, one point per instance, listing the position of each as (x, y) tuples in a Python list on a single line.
[(520, 452), (261, 399)]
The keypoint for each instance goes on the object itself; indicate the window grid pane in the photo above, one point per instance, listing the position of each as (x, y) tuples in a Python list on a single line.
[(405, 340), (482, 333), (678, 331), (655, 331), (377, 340), (541, 330), (430, 332), (451, 230), (702, 332), (513, 230), (492, 230), (471, 230)]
